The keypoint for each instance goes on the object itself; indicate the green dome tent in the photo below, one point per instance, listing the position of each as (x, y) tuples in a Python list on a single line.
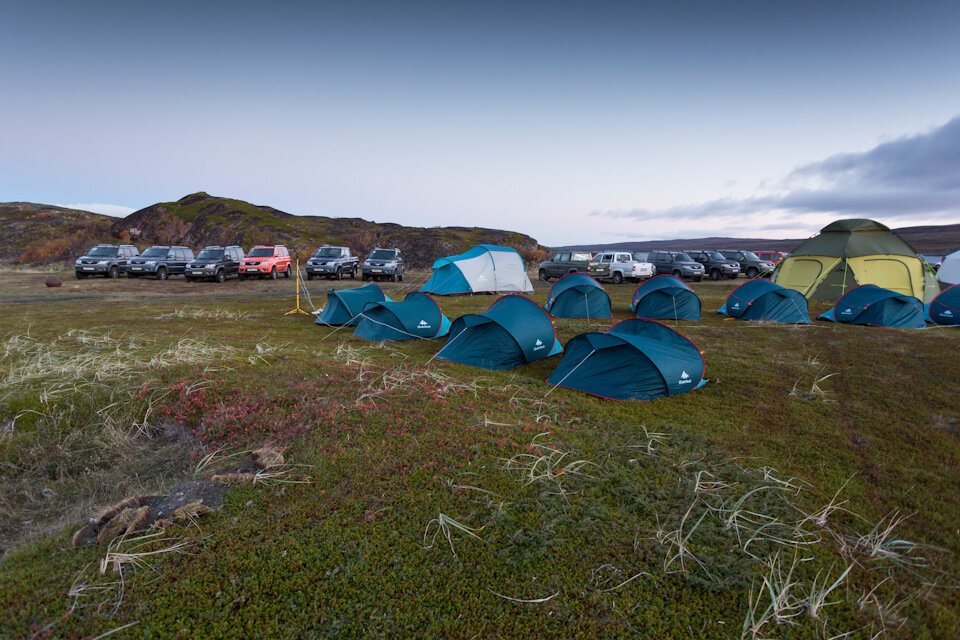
[(848, 253)]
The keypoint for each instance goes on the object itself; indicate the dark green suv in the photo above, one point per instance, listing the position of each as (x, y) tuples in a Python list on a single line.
[(215, 263), (563, 263), (160, 262), (108, 260)]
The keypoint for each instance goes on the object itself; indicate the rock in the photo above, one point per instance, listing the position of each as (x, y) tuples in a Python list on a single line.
[(53, 281)]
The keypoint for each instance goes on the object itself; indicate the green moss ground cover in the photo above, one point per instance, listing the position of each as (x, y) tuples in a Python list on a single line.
[(446, 501)]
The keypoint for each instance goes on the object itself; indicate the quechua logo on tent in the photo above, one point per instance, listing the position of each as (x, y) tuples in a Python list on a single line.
[(684, 378), (423, 325), (538, 345)]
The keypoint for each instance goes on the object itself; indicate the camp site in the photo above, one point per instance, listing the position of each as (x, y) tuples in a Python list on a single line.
[(538, 320), (560, 459)]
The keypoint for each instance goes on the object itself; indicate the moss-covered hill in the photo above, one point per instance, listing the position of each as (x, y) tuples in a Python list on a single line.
[(42, 233), (200, 219)]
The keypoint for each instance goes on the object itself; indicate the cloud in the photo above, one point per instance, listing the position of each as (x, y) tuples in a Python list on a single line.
[(912, 177), (115, 210)]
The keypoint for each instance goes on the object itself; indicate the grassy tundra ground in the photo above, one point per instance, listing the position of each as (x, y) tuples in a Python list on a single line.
[(808, 491)]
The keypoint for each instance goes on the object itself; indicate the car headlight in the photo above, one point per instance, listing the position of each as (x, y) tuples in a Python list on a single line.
[(209, 266), (151, 262), (77, 262), (103, 261)]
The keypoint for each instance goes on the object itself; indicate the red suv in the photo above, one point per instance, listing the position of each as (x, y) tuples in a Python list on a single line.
[(266, 262), (773, 256)]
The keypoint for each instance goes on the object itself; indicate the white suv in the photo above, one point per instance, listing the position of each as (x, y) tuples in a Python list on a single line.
[(619, 266)]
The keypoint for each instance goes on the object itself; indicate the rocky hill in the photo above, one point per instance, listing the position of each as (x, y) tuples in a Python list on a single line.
[(200, 219), (42, 233)]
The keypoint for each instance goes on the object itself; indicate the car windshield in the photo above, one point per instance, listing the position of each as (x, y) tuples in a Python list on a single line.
[(327, 252), (715, 255), (683, 257), (210, 254), (381, 254), (154, 252), (263, 252), (750, 255), (103, 251)]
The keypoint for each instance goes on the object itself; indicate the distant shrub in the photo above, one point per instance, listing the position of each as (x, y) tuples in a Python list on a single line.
[(46, 251)]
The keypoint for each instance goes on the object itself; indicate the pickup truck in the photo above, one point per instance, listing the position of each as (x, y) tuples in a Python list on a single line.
[(619, 266), (333, 262), (563, 263)]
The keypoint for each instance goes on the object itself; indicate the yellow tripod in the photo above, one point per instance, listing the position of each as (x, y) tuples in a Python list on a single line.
[(298, 309)]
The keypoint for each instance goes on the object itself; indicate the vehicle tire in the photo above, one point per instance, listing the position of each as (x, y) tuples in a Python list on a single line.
[(752, 272), (339, 275), (161, 274), (543, 276), (80, 276), (273, 273), (241, 277), (715, 274), (401, 276), (617, 277), (677, 274), (395, 277), (221, 276), (309, 276), (114, 273), (353, 274), (286, 274)]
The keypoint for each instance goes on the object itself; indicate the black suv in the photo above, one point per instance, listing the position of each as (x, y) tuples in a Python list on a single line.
[(676, 263), (715, 264), (107, 260), (161, 262), (750, 265), (383, 263), (217, 263)]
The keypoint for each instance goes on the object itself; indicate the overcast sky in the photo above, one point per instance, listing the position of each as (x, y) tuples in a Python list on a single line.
[(573, 122)]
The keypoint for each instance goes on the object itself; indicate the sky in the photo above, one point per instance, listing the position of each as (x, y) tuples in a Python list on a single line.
[(569, 121)]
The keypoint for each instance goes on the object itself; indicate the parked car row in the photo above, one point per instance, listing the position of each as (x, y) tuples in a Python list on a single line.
[(693, 265), (218, 263)]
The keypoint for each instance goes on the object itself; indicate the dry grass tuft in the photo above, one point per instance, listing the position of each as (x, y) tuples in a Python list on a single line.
[(267, 457), (233, 478)]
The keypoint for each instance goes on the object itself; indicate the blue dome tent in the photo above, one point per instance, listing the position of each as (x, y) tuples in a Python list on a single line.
[(513, 331), (944, 310), (763, 300), (417, 316), (485, 268), (665, 297), (577, 295), (636, 359), (872, 305), (344, 306)]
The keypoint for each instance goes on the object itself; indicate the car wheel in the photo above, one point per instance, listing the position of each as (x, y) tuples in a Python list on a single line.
[(395, 276), (221, 276), (353, 273), (80, 276), (273, 273), (752, 273), (339, 275), (677, 274), (309, 276), (617, 277), (286, 274), (161, 274), (715, 274), (114, 273), (698, 279)]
